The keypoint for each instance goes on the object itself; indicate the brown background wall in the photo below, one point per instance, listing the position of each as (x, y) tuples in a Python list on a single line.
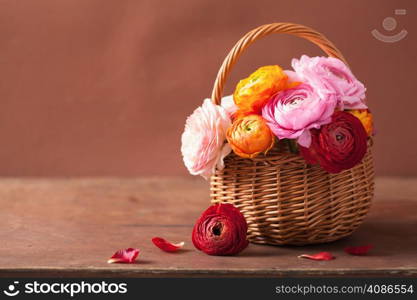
[(93, 87)]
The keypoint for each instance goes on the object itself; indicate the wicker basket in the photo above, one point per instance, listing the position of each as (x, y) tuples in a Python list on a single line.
[(285, 201)]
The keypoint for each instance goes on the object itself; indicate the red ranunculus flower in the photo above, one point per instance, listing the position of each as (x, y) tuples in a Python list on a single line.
[(221, 230), (339, 145)]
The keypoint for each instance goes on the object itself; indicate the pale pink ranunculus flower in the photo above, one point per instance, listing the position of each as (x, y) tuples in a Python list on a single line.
[(203, 140), (333, 74), (291, 113)]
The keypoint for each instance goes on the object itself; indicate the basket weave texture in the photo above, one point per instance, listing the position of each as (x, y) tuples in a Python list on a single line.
[(284, 200)]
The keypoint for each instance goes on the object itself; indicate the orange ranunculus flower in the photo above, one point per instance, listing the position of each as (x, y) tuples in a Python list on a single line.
[(253, 92), (366, 118), (250, 135)]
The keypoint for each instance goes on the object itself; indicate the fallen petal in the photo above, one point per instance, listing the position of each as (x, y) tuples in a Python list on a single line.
[(166, 246), (124, 256), (359, 250), (318, 256)]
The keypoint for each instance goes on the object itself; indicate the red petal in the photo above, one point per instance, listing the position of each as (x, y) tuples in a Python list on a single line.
[(166, 246), (318, 256), (360, 250), (124, 256)]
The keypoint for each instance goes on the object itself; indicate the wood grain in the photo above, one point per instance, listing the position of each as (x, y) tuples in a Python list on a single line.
[(69, 227)]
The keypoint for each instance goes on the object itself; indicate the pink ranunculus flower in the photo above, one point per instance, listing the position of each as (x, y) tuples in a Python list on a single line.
[(203, 140), (334, 75), (291, 113)]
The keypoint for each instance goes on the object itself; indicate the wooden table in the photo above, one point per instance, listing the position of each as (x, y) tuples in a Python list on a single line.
[(70, 227)]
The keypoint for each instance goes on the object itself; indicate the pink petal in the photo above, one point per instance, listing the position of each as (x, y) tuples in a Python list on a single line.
[(359, 250), (124, 256), (166, 246), (318, 256), (305, 139), (292, 76)]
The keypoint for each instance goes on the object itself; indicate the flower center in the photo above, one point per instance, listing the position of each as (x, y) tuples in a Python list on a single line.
[(295, 102), (339, 137), (292, 103), (217, 229)]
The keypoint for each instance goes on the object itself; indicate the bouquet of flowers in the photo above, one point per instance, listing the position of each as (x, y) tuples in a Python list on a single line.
[(318, 110)]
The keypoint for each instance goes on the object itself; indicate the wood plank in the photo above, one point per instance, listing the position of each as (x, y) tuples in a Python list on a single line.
[(69, 227)]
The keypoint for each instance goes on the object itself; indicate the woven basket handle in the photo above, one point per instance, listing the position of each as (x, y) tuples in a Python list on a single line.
[(257, 33)]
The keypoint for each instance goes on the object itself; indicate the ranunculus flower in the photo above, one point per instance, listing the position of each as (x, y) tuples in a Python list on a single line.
[(250, 135), (293, 112), (365, 116), (339, 145), (334, 75), (203, 141), (253, 92), (221, 230)]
